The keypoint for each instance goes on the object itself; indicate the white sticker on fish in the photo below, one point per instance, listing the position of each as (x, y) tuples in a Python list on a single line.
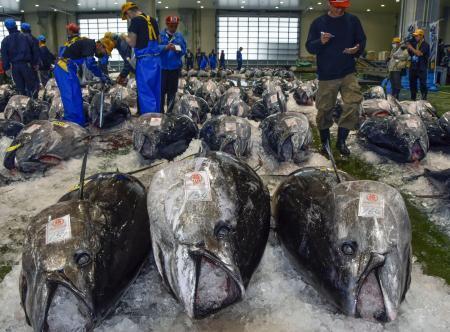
[(230, 126), (31, 129), (371, 205), (197, 186), (290, 122), (412, 123), (273, 99), (155, 122), (58, 230)]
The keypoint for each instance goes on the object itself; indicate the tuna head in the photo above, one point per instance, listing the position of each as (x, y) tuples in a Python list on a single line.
[(412, 137), (209, 223), (58, 267), (369, 249), (194, 107), (444, 123)]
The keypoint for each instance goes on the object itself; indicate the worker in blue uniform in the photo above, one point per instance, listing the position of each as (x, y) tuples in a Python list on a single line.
[(75, 52), (143, 37), (112, 41), (203, 61), (222, 60), (20, 58), (239, 58), (47, 60), (213, 60), (171, 60), (26, 29)]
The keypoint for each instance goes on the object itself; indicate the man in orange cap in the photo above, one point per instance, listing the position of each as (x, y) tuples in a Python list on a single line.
[(419, 50), (143, 37), (171, 60), (337, 39)]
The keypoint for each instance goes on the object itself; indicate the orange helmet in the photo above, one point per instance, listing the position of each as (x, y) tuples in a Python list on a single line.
[(72, 27), (340, 3), (172, 20)]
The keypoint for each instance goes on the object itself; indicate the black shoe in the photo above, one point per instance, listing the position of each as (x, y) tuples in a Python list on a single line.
[(325, 139), (340, 144)]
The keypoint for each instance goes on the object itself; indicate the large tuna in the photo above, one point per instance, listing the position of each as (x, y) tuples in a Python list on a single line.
[(209, 220), (6, 92), (403, 138), (229, 134), (194, 107), (43, 144), (352, 240), (80, 255), (209, 92), (273, 101), (114, 110), (287, 136), (24, 109), (165, 136)]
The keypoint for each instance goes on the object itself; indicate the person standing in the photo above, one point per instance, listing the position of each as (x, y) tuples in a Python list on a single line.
[(213, 60), (111, 41), (337, 39), (19, 58), (239, 58), (203, 61), (397, 63), (198, 57), (26, 29), (171, 60), (189, 58), (222, 60), (143, 37), (75, 52), (419, 50), (47, 60)]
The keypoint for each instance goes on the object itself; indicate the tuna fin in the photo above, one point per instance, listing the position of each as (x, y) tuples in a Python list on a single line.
[(83, 175), (333, 162)]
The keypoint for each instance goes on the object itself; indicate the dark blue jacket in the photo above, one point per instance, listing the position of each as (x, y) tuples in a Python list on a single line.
[(171, 60), (239, 56), (421, 62), (47, 58), (203, 63), (18, 48), (35, 44), (332, 63), (213, 61), (125, 52)]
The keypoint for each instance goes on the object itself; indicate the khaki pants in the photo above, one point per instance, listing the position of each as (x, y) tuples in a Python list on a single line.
[(326, 100)]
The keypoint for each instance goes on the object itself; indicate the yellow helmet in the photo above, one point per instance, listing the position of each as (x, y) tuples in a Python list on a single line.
[(108, 44), (126, 7), (396, 40), (419, 32)]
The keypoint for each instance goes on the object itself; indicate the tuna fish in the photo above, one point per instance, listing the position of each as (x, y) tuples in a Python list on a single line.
[(80, 255), (194, 107), (273, 101), (165, 136), (351, 240), (51, 90), (209, 92), (287, 136), (376, 92), (402, 138), (115, 109), (6, 92), (232, 103), (209, 221), (23, 109), (229, 134), (44, 144)]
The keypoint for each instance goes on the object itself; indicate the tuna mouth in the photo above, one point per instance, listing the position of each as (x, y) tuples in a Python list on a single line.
[(51, 160), (216, 287), (370, 299), (382, 114), (417, 152), (67, 312)]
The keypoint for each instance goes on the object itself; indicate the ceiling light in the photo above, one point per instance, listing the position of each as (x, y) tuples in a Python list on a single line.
[(55, 10), (319, 3), (78, 4), (116, 3), (368, 10), (276, 7), (167, 7), (202, 7), (311, 8), (198, 1), (36, 5), (397, 0), (159, 2), (382, 5), (22, 11), (1, 6), (281, 2), (242, 7), (94, 8)]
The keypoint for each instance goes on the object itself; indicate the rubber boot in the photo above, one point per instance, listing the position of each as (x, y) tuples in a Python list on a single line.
[(325, 139), (340, 144)]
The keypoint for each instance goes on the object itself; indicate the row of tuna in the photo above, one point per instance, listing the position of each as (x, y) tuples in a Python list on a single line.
[(206, 221)]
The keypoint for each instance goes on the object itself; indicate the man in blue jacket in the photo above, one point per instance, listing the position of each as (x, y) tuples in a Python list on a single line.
[(239, 58), (75, 52), (222, 59), (47, 60), (143, 37), (114, 41), (337, 39), (19, 56), (213, 60), (171, 60), (26, 29)]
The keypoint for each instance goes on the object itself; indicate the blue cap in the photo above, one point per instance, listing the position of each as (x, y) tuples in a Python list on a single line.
[(41, 38), (25, 27), (10, 24)]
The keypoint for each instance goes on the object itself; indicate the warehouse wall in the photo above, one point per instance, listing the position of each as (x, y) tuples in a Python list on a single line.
[(379, 35)]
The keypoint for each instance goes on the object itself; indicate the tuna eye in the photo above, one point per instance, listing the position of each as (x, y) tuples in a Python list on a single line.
[(221, 231), (82, 258), (349, 248)]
